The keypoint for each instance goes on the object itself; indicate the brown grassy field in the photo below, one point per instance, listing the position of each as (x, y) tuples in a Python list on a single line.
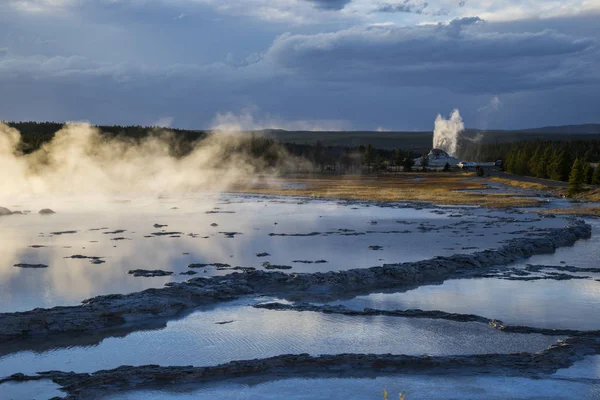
[(592, 210), (437, 188), (524, 185)]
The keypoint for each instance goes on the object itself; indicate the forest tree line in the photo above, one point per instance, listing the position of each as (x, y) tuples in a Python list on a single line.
[(334, 159), (567, 161), (550, 159)]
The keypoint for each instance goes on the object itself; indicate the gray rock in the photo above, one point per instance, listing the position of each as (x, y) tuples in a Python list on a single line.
[(24, 265), (46, 211), (149, 272)]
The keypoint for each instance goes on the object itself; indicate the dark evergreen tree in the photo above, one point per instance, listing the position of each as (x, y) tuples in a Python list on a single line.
[(424, 162), (399, 158), (589, 173), (408, 164), (534, 161), (576, 178), (522, 164), (560, 167), (596, 176), (542, 165), (369, 157)]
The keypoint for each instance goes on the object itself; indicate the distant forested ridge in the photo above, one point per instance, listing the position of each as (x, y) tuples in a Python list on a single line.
[(545, 155), (35, 134)]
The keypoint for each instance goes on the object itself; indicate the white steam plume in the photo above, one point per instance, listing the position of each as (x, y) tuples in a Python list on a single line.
[(80, 160), (447, 131)]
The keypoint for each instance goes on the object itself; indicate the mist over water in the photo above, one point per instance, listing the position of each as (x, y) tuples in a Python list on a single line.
[(446, 133), (80, 159)]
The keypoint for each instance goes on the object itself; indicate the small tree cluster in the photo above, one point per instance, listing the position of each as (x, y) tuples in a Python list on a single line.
[(554, 162)]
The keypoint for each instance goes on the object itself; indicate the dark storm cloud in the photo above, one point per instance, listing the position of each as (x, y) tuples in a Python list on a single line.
[(330, 4), (457, 56), (124, 70), (406, 6)]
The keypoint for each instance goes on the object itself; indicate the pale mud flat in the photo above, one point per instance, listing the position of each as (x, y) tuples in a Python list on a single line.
[(122, 234), (236, 331), (548, 303), (414, 387)]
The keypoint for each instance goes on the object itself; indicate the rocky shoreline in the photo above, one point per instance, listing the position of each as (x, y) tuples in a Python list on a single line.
[(84, 385), (111, 311)]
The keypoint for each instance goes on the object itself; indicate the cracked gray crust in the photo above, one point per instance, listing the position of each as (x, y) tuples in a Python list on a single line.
[(135, 309)]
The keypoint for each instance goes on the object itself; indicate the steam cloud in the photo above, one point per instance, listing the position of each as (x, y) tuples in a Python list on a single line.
[(447, 131), (81, 160)]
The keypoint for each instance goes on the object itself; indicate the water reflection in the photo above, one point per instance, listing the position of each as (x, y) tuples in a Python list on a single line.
[(569, 304), (238, 332), (415, 387), (340, 233)]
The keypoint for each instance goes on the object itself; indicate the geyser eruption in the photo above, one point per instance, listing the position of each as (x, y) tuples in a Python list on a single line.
[(447, 131)]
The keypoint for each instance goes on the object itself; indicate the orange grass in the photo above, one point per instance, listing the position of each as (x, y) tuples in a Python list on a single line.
[(437, 188)]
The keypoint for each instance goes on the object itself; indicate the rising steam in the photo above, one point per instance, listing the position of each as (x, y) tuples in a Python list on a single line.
[(80, 159), (447, 131)]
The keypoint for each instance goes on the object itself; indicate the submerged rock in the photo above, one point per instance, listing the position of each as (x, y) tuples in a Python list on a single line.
[(149, 273), (46, 211), (230, 235), (93, 259), (63, 233), (375, 247), (262, 254), (268, 265), (24, 265)]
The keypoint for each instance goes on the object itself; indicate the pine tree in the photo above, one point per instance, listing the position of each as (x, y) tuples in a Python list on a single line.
[(534, 161), (424, 162), (589, 173), (596, 176), (408, 164), (399, 157), (576, 177), (510, 162), (522, 163), (541, 170), (560, 167), (369, 156)]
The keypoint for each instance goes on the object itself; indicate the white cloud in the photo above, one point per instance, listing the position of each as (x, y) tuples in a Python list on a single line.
[(325, 11)]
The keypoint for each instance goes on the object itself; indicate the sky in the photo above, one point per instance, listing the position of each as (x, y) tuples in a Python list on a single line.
[(301, 64)]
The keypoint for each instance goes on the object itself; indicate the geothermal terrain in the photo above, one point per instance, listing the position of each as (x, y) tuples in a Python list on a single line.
[(239, 296), (130, 273)]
